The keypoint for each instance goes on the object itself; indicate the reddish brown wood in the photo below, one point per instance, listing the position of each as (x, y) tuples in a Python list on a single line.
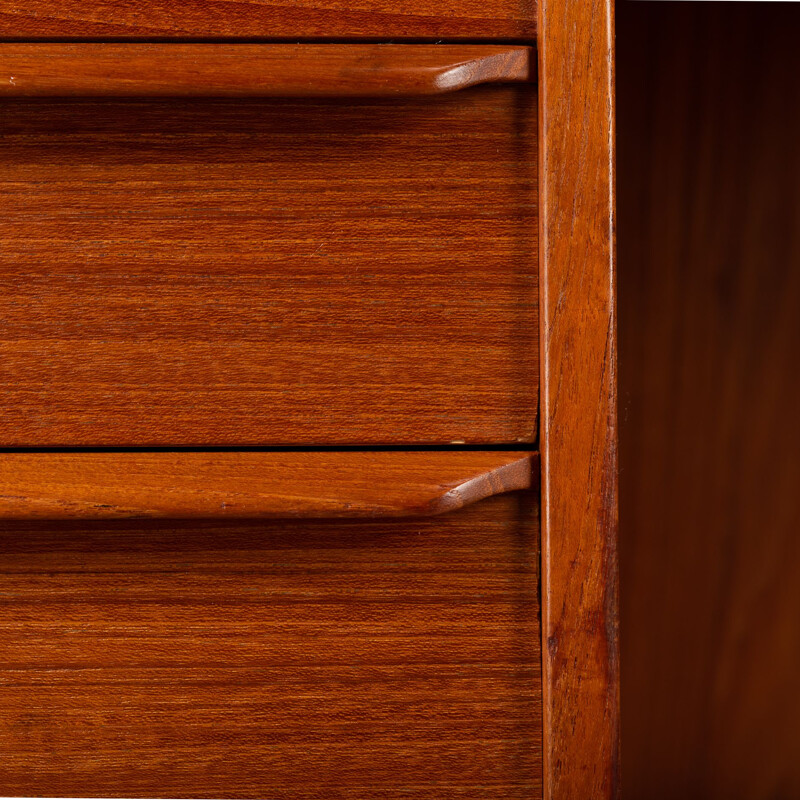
[(239, 70), (393, 659), (709, 268), (376, 19), (578, 421), (253, 484), (214, 273)]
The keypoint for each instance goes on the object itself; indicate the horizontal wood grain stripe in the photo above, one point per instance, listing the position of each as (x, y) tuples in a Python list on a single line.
[(239, 70), (253, 484), (278, 272), (381, 19), (301, 659)]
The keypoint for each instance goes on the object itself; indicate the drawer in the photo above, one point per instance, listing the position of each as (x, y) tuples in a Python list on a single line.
[(218, 265), (269, 383), (341, 658), (371, 19)]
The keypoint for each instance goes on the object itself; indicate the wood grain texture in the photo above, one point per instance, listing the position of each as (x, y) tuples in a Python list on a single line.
[(254, 484), (284, 659), (240, 70), (329, 19), (578, 400), (709, 274), (211, 273)]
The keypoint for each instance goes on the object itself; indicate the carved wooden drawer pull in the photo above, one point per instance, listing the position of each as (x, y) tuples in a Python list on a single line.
[(247, 70), (82, 485)]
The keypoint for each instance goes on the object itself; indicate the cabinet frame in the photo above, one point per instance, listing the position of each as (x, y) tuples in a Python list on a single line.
[(578, 429)]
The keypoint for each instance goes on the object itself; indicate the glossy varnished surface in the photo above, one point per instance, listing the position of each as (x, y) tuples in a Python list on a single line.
[(578, 420), (269, 273), (710, 436), (371, 19), (284, 659), (260, 70), (254, 484)]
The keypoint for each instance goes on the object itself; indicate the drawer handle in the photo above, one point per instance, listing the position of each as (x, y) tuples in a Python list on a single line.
[(247, 70), (253, 484)]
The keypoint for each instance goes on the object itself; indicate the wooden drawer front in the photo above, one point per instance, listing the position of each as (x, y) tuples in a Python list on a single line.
[(306, 659), (385, 19), (283, 272)]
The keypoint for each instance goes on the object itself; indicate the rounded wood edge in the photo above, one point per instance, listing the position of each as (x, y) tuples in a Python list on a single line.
[(243, 485), (134, 70), (523, 473), (578, 430)]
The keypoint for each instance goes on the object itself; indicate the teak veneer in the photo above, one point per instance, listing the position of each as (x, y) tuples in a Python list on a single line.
[(240, 70), (219, 273), (321, 19), (294, 659), (254, 484), (204, 272), (578, 400)]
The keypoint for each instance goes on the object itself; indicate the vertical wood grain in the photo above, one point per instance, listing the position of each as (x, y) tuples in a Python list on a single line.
[(578, 399), (709, 274)]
